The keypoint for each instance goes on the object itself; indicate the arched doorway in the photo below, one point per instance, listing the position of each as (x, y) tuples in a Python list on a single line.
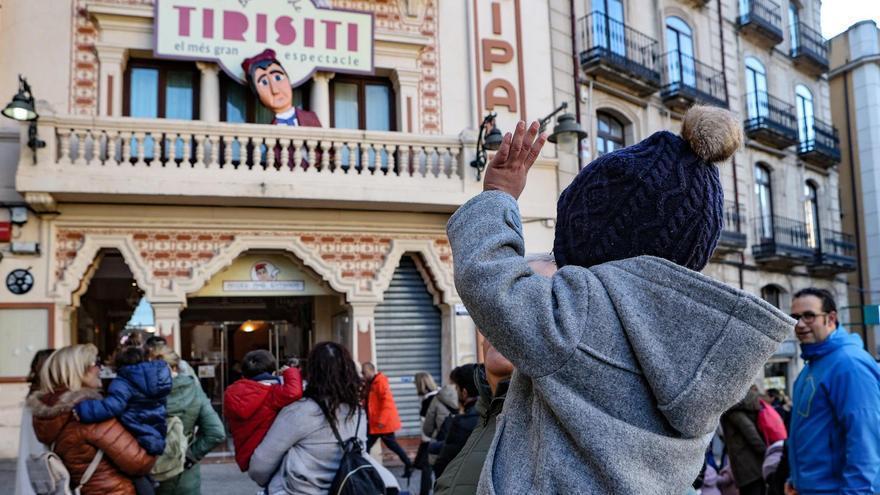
[(408, 337)]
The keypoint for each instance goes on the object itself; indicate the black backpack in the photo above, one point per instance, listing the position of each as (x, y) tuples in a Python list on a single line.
[(355, 476)]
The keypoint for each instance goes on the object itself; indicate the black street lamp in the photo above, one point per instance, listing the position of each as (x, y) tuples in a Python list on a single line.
[(21, 108), (491, 142)]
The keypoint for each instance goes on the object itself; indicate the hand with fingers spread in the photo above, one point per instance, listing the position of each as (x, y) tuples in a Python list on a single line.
[(508, 169)]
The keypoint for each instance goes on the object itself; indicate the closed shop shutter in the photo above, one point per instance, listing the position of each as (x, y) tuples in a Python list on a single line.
[(407, 339)]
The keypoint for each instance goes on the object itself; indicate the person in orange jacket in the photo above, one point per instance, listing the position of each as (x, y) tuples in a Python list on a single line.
[(382, 415)]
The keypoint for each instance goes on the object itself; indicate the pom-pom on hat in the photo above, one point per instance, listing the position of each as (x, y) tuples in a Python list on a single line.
[(661, 197)]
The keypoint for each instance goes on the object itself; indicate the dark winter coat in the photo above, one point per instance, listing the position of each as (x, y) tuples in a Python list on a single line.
[(462, 475), (137, 398), (460, 428), (745, 446), (189, 403), (77, 443), (251, 407)]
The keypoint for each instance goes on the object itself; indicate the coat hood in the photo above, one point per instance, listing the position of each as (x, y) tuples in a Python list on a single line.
[(245, 397), (750, 403), (52, 410), (489, 403), (688, 334), (839, 338), (183, 393), (151, 378), (448, 396)]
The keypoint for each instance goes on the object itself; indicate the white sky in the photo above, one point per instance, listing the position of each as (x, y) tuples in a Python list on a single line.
[(838, 15)]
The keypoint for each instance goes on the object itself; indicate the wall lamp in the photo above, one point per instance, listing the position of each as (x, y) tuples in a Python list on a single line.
[(486, 141), (22, 109)]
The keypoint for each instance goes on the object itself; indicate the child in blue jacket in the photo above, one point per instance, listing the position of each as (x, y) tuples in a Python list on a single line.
[(136, 397)]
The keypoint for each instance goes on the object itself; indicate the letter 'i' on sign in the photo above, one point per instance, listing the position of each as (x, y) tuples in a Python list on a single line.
[(498, 91)]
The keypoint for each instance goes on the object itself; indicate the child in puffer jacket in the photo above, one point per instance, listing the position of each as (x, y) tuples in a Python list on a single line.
[(252, 402), (136, 397)]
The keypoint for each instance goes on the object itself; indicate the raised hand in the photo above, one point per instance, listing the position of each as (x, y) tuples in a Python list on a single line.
[(508, 169)]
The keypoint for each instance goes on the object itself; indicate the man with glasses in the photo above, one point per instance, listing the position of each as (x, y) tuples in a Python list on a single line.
[(834, 443)]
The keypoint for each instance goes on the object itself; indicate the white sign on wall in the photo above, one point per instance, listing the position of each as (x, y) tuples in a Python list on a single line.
[(305, 37)]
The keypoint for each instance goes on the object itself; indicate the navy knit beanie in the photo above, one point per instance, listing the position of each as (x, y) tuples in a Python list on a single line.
[(661, 197)]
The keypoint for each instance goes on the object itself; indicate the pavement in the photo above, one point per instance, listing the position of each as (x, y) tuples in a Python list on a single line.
[(218, 478)]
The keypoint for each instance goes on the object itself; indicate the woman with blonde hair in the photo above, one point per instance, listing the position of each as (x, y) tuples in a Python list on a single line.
[(69, 376), (427, 388), (201, 425)]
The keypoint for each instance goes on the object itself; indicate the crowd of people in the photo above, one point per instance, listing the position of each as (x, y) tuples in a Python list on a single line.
[(609, 366)]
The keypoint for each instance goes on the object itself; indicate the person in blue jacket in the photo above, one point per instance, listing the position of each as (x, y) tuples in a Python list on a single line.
[(136, 397), (834, 443)]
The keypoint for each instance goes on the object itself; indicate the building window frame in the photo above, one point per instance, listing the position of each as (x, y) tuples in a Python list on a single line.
[(811, 213), (163, 67), (362, 82), (764, 199), (757, 101), (610, 121), (805, 110)]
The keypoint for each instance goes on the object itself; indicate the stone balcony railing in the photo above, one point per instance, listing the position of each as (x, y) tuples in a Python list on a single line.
[(162, 161)]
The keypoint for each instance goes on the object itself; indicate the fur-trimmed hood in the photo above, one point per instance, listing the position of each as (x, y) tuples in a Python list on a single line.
[(52, 410)]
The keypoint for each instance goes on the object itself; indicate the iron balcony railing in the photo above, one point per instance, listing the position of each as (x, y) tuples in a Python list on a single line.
[(773, 229), (734, 218), (822, 139), (838, 244), (763, 110), (686, 76), (810, 43), (604, 38), (764, 13)]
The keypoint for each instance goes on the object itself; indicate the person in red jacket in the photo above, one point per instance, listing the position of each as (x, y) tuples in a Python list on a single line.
[(252, 402), (382, 416)]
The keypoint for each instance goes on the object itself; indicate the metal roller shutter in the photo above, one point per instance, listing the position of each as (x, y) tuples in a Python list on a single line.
[(407, 339)]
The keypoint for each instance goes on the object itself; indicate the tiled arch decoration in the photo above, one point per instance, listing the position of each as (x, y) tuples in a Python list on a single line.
[(169, 263), (390, 17)]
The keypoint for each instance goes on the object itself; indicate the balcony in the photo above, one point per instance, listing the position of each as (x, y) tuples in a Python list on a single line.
[(837, 254), (821, 147), (809, 51), (610, 51), (733, 238), (158, 161), (761, 22), (687, 81), (770, 121), (782, 243)]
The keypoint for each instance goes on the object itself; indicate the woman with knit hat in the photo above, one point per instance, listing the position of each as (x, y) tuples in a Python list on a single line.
[(627, 315)]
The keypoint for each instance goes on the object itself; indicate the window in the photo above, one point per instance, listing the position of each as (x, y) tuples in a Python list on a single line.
[(771, 294), (609, 29), (609, 134), (804, 103), (239, 104), (680, 46), (811, 214), (161, 89), (794, 26), (756, 89), (362, 103), (763, 195)]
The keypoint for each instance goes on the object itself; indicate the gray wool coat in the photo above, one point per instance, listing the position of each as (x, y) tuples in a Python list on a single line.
[(623, 369)]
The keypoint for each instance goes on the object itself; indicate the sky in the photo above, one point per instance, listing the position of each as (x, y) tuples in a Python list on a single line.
[(838, 15)]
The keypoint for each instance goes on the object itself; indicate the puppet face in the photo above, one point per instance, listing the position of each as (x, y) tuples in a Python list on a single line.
[(273, 88)]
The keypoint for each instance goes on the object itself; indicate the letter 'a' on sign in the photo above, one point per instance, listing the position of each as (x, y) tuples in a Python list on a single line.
[(305, 37)]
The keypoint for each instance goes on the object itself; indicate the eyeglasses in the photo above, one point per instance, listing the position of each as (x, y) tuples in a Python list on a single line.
[(807, 316)]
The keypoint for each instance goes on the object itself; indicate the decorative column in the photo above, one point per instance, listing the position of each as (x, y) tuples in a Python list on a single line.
[(209, 96), (167, 319), (406, 87), (320, 97), (63, 326), (363, 342), (112, 60)]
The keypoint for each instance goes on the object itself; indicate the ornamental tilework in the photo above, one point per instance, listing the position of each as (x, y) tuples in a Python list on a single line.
[(174, 254)]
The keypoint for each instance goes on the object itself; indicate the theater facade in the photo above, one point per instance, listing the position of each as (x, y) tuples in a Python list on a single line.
[(153, 195)]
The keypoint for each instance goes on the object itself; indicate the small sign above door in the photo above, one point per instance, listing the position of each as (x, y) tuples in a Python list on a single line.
[(266, 274)]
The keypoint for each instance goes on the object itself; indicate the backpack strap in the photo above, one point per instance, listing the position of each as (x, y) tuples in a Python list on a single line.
[(93, 466), (332, 424)]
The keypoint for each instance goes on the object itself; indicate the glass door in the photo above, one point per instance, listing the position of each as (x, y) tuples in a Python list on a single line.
[(609, 28), (680, 45), (757, 101)]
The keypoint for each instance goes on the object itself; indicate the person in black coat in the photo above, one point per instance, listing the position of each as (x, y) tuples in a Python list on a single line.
[(459, 426)]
